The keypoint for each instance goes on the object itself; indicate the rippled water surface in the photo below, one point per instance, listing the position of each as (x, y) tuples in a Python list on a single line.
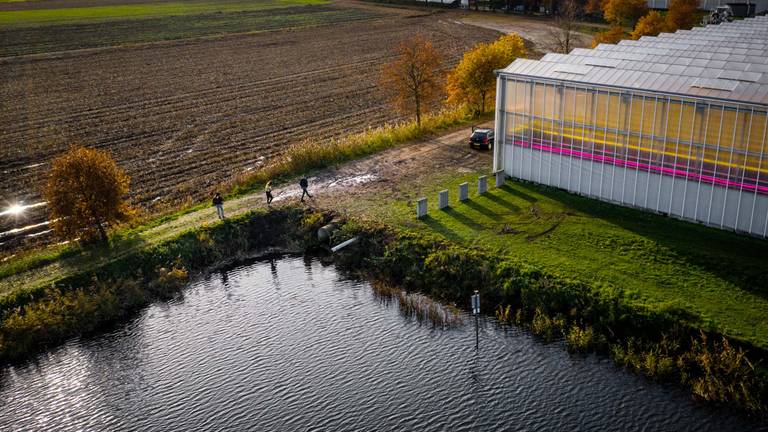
[(289, 344)]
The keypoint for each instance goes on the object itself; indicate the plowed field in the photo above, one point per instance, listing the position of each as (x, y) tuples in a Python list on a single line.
[(181, 117)]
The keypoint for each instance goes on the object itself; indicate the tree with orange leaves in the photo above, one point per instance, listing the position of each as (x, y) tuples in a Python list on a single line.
[(86, 193), (412, 80), (682, 14), (624, 12), (649, 25), (611, 36), (473, 81)]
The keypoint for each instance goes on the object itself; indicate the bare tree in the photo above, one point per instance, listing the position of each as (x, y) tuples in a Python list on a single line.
[(561, 36), (413, 80)]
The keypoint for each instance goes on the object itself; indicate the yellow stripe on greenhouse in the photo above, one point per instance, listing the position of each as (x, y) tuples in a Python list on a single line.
[(645, 149)]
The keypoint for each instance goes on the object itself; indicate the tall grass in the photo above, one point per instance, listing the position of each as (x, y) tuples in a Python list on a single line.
[(311, 154), (418, 306)]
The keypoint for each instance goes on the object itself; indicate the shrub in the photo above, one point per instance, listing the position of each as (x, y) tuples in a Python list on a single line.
[(583, 340), (545, 327), (720, 372)]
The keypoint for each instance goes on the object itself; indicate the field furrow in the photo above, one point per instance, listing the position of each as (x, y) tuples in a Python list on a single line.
[(184, 117)]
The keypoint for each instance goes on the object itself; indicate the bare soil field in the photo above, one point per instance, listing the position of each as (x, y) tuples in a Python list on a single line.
[(66, 37), (182, 117)]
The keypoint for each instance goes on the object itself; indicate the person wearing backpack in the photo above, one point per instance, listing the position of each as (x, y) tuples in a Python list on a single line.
[(304, 185)]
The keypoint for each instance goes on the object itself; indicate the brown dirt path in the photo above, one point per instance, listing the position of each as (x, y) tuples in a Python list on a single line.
[(348, 188)]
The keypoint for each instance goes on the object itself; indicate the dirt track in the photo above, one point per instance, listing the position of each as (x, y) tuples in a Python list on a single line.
[(183, 117), (401, 173)]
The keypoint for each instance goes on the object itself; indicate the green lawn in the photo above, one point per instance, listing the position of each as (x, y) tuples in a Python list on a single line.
[(720, 275), (38, 17)]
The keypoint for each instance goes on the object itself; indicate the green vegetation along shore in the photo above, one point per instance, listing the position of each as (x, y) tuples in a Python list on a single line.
[(33, 319), (675, 301), (717, 276), (663, 341)]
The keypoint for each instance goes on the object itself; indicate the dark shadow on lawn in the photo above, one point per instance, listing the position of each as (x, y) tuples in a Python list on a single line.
[(517, 192), (94, 255), (441, 229), (503, 202), (736, 258), (481, 209), (464, 220)]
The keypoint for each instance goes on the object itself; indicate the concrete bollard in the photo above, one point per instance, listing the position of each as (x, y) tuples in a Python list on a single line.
[(421, 208), (482, 185), (500, 178), (464, 191), (442, 199)]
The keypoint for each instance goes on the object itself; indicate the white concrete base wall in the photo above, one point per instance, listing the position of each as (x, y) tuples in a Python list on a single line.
[(744, 211)]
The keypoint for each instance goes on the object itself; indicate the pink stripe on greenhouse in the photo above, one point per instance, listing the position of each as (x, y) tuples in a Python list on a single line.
[(637, 165)]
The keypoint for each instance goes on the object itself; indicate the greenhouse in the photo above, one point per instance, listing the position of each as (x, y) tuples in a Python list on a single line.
[(675, 124), (708, 5)]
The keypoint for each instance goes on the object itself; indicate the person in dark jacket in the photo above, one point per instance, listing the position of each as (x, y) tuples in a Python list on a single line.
[(304, 185), (218, 202)]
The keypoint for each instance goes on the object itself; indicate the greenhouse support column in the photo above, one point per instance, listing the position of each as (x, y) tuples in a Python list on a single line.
[(744, 139), (757, 177), (498, 138)]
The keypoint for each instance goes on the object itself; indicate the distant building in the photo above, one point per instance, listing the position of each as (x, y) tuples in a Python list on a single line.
[(760, 5), (674, 124)]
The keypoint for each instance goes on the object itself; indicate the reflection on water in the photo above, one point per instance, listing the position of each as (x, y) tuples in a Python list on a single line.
[(287, 344)]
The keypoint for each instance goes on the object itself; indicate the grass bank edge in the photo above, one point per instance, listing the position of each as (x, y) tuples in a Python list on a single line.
[(304, 157), (32, 320), (665, 343)]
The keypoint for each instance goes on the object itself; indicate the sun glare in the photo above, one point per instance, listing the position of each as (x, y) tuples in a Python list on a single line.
[(14, 210)]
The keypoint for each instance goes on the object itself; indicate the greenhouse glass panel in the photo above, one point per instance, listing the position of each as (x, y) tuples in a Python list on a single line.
[(633, 123)]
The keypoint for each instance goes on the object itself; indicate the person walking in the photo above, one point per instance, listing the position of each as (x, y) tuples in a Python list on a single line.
[(304, 185), (218, 202), (268, 191)]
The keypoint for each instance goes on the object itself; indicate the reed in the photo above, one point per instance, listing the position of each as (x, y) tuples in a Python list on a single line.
[(418, 306), (504, 315)]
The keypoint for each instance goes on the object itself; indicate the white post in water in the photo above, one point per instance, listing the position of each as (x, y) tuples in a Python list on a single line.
[(464, 191), (421, 208), (499, 178), (476, 313), (442, 199), (482, 185)]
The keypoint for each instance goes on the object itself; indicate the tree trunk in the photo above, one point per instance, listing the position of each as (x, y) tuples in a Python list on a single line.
[(418, 110), (482, 103), (103, 233)]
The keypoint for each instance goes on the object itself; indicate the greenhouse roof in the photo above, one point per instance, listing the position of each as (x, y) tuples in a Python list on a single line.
[(727, 62)]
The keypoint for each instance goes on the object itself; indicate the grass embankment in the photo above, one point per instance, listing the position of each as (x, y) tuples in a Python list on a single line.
[(29, 32), (32, 319), (664, 341), (658, 262), (304, 157)]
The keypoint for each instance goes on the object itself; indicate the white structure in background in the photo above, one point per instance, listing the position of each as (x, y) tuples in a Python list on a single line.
[(675, 124), (760, 5)]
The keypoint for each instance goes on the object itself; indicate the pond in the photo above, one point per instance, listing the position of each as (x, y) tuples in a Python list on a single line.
[(288, 343)]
